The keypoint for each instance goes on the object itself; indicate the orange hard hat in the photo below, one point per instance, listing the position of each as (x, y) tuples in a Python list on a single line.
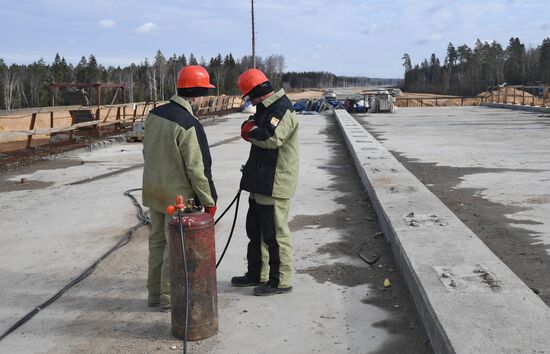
[(250, 79), (194, 76)]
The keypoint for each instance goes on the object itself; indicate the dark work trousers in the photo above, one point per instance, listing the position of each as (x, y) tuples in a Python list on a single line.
[(269, 246)]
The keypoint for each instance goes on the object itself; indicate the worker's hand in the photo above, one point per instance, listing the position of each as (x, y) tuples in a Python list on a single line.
[(211, 210), (250, 119), (246, 128)]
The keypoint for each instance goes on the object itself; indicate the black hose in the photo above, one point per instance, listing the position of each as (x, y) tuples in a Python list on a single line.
[(143, 216), (229, 206), (236, 199), (144, 220)]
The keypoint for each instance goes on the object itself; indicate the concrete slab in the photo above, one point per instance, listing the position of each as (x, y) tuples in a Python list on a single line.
[(491, 167), (69, 213), (469, 300), (517, 107)]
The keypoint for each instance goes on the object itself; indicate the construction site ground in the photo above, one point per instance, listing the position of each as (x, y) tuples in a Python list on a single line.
[(491, 167), (71, 210)]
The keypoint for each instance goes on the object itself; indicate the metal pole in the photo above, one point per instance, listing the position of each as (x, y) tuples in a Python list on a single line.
[(253, 37)]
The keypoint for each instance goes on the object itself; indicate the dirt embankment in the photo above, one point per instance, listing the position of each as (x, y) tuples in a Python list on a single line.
[(306, 94), (512, 95), (410, 99), (509, 95)]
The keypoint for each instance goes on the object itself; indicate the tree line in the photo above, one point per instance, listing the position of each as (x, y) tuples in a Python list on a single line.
[(28, 85), (25, 86), (323, 79), (468, 71)]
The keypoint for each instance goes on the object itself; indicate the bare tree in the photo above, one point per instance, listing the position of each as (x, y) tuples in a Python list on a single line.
[(279, 67), (274, 66), (129, 80), (21, 93), (161, 69), (151, 73), (9, 86)]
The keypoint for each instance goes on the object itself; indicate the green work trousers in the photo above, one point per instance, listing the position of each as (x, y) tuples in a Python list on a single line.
[(158, 277), (269, 252)]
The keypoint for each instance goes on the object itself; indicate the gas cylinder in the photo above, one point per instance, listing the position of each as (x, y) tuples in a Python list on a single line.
[(200, 254)]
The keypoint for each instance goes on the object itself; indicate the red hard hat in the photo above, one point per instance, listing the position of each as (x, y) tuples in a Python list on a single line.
[(250, 79), (194, 76)]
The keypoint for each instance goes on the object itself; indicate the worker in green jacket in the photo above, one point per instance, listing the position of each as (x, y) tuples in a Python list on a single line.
[(177, 162), (270, 175)]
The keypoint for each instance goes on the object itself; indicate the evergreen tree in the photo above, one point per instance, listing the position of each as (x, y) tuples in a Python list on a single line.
[(231, 74), (450, 59), (93, 70), (161, 69), (3, 68), (544, 60), (183, 61), (81, 71), (38, 85), (216, 72), (407, 62), (514, 65), (60, 71)]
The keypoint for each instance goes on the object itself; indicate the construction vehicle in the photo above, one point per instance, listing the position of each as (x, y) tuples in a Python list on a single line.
[(330, 94), (381, 101), (373, 101), (137, 133)]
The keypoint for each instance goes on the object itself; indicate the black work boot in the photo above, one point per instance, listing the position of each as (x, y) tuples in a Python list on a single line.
[(266, 290), (244, 281)]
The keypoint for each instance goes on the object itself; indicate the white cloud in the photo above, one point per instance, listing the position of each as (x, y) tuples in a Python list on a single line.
[(148, 27), (106, 23), (372, 28), (432, 37)]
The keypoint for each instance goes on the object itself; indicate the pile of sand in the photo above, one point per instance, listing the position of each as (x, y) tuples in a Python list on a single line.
[(295, 96), (506, 91)]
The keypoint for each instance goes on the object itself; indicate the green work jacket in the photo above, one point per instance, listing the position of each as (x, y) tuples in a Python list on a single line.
[(177, 157), (272, 166)]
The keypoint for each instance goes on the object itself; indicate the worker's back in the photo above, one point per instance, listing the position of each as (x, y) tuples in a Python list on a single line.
[(177, 158)]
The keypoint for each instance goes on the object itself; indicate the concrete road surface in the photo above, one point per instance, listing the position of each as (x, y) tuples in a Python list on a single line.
[(52, 228)]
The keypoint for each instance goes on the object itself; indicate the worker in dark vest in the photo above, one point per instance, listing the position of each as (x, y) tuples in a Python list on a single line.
[(270, 175), (177, 162)]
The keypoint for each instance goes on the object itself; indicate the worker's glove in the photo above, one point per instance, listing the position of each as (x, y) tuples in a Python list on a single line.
[(246, 128), (211, 210), (250, 119)]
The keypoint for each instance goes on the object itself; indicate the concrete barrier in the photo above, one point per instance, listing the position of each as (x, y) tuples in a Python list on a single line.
[(518, 107), (467, 298)]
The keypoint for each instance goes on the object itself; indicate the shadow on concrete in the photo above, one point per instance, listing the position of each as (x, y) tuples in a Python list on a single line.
[(357, 220)]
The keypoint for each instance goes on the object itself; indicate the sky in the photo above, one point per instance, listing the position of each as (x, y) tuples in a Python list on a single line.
[(346, 37)]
